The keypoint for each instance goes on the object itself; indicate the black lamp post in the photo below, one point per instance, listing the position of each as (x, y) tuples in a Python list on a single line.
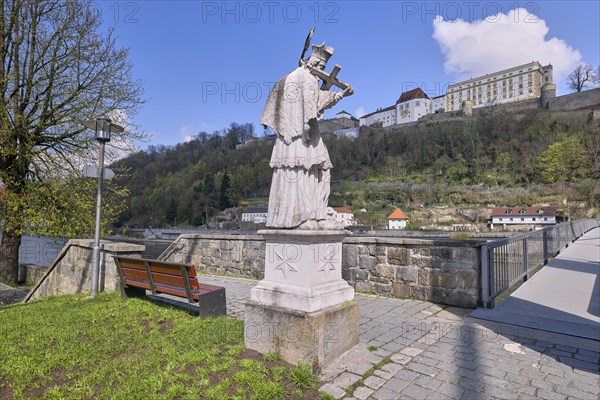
[(103, 128)]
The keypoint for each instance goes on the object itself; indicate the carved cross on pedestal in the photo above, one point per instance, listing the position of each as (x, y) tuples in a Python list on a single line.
[(331, 79)]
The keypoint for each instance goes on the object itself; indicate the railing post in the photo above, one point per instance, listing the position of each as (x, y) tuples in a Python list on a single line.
[(525, 260), (485, 276), (545, 246)]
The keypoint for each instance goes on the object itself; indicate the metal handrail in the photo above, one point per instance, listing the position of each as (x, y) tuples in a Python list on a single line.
[(504, 262)]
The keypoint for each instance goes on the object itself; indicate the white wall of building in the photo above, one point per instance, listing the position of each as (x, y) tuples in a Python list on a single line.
[(438, 103), (518, 219), (412, 110), (397, 223)]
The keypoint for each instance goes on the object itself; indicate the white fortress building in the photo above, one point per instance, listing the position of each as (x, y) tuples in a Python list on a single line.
[(523, 82), (411, 106)]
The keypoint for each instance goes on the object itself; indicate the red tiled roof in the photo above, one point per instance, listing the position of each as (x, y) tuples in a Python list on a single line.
[(398, 214), (524, 211), (411, 95)]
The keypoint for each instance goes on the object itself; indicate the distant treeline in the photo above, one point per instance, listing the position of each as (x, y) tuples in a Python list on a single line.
[(189, 183)]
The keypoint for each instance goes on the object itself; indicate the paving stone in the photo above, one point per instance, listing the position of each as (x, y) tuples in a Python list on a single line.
[(493, 381), (425, 360), (393, 346), (422, 368), (374, 382), (333, 390), (362, 393), (406, 375), (521, 389), (383, 374), (395, 384), (546, 395), (346, 379), (518, 379), (593, 388), (400, 358), (360, 368), (472, 395), (385, 394), (416, 391), (392, 368), (557, 380), (450, 390), (500, 393), (575, 393), (411, 351), (448, 377), (471, 385)]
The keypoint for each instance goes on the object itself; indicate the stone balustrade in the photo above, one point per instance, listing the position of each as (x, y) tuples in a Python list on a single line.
[(71, 271), (441, 271)]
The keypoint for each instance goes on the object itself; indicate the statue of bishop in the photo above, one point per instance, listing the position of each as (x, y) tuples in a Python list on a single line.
[(300, 161)]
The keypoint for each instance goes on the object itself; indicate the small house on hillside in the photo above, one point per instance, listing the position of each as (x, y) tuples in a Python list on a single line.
[(341, 214), (504, 216), (257, 215), (398, 220)]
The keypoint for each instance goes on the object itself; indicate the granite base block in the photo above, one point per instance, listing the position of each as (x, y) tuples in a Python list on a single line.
[(316, 338)]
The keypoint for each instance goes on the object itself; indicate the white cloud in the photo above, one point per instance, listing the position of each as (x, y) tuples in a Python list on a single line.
[(501, 41), (186, 133), (359, 112)]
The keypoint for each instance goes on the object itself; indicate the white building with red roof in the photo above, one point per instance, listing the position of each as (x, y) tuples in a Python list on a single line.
[(409, 107), (398, 219), (503, 216), (341, 215)]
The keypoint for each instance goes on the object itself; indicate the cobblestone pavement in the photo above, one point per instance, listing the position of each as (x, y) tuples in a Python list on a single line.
[(413, 349), (9, 295)]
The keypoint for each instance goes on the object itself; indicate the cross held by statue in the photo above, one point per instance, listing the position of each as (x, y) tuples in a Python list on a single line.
[(330, 79)]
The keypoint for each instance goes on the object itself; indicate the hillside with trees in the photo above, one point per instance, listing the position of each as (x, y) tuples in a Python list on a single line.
[(494, 157)]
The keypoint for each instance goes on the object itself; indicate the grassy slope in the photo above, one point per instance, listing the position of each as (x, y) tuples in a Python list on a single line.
[(73, 347)]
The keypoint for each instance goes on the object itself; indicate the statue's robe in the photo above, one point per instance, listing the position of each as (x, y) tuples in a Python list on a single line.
[(300, 161)]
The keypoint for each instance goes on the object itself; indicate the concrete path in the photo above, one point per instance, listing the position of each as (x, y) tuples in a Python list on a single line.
[(563, 297), (10, 295)]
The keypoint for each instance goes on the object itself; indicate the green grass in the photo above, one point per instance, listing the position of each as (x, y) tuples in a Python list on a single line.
[(73, 347)]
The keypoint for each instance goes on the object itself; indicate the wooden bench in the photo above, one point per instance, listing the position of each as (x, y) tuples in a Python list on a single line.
[(140, 274)]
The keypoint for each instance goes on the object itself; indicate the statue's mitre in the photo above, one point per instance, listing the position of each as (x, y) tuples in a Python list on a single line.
[(321, 52)]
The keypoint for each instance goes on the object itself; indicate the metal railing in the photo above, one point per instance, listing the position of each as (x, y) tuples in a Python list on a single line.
[(505, 262)]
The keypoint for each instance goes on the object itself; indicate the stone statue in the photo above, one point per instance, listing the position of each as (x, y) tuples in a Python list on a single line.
[(300, 161)]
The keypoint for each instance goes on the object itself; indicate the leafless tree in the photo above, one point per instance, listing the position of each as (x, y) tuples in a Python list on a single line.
[(582, 76)]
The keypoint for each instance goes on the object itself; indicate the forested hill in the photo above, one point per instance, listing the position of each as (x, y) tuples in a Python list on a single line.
[(193, 181)]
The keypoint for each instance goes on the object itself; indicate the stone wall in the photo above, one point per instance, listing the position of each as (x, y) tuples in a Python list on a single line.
[(235, 255), (71, 271), (441, 271), (586, 99)]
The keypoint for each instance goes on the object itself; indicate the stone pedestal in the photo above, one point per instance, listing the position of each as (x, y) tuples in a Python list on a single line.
[(302, 309)]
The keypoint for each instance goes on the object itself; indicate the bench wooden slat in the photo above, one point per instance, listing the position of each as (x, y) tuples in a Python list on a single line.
[(196, 294), (163, 268), (177, 279), (157, 278)]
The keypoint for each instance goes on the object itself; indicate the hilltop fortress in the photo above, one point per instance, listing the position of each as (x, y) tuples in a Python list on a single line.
[(524, 87)]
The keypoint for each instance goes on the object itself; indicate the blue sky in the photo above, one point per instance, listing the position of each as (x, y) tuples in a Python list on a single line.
[(206, 64)]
